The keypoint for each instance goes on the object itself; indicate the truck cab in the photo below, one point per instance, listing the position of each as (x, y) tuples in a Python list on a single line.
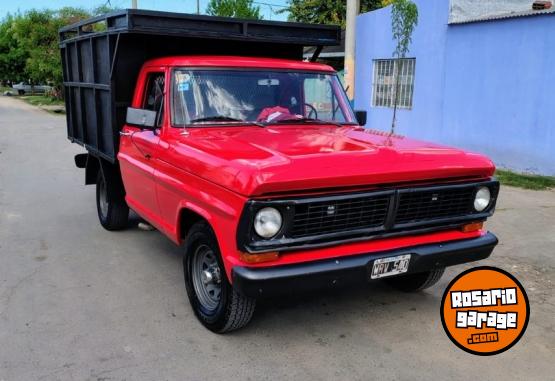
[(261, 171)]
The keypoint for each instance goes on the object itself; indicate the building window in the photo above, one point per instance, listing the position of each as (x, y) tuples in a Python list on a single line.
[(385, 82)]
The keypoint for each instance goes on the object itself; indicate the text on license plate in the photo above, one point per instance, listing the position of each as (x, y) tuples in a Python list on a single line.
[(390, 266)]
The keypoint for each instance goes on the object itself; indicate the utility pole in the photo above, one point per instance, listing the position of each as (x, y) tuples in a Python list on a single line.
[(353, 7), (134, 4), (198, 7)]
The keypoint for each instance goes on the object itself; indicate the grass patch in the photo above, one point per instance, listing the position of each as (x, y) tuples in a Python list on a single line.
[(42, 100), (535, 182)]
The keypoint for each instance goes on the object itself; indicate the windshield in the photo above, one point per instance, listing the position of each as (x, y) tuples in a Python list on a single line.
[(213, 96)]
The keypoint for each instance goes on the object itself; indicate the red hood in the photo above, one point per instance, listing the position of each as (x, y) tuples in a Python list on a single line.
[(255, 161)]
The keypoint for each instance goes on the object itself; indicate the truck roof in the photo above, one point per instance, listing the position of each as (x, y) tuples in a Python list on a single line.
[(233, 61)]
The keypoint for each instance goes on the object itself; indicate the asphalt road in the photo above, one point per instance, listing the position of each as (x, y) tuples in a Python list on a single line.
[(80, 303)]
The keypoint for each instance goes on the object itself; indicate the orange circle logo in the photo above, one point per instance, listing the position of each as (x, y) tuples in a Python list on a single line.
[(485, 311)]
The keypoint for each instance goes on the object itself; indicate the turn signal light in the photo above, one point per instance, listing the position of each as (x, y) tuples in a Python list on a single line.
[(258, 258), (472, 227)]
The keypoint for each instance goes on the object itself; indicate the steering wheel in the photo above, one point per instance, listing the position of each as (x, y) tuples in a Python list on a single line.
[(312, 111)]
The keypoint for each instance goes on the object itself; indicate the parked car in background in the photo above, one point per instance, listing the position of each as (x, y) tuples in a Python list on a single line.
[(23, 88)]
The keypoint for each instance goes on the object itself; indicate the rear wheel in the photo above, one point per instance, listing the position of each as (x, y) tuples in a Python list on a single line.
[(416, 282), (214, 301), (21, 92), (113, 211)]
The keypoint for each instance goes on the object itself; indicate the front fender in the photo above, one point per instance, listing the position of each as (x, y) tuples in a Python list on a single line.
[(179, 190)]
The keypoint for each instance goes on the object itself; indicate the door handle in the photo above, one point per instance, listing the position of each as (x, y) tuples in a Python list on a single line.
[(125, 133)]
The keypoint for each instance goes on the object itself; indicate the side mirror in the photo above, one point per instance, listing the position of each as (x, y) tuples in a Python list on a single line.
[(361, 117), (145, 119)]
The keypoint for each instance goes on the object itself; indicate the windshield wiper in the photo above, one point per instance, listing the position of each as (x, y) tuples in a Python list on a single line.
[(221, 118), (304, 120), (216, 118)]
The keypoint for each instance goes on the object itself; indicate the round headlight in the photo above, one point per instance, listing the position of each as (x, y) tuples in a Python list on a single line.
[(267, 222), (482, 200)]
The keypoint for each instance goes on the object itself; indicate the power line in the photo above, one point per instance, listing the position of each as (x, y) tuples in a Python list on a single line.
[(270, 4)]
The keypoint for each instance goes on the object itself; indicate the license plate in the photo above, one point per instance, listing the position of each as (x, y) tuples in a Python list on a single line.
[(390, 266)]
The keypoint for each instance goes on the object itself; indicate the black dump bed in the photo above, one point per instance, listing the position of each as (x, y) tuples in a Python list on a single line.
[(102, 56)]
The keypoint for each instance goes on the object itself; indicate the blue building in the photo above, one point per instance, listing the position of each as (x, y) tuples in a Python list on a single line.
[(483, 83)]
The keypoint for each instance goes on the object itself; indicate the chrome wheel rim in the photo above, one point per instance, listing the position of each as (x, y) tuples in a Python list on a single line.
[(206, 277), (103, 198)]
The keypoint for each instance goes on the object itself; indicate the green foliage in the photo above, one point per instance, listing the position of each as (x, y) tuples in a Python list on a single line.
[(36, 33), (12, 56), (42, 100), (29, 48), (526, 181), (234, 8), (404, 18), (325, 11)]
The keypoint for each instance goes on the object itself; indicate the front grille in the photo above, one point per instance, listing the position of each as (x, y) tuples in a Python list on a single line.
[(317, 221), (415, 206), (322, 217)]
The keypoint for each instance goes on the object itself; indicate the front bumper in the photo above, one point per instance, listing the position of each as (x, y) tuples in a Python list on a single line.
[(270, 281)]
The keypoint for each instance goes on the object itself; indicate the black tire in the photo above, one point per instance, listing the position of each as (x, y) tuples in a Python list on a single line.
[(21, 92), (112, 209), (416, 282), (231, 310)]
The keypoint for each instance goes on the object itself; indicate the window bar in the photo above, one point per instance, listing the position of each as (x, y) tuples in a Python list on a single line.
[(392, 65), (379, 85), (382, 82), (375, 84), (385, 87), (405, 81), (401, 79), (407, 65), (413, 64), (399, 86), (405, 84), (394, 84)]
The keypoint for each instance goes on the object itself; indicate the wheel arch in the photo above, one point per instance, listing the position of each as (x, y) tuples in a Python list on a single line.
[(188, 216)]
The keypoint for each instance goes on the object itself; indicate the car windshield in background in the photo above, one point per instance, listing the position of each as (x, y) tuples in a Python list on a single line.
[(227, 96)]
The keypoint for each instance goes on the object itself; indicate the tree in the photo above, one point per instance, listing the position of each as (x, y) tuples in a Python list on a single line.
[(234, 8), (325, 11), (37, 32), (12, 55), (29, 44), (404, 18)]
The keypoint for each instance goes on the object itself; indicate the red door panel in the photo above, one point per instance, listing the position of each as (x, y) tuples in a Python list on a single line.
[(137, 155), (139, 148)]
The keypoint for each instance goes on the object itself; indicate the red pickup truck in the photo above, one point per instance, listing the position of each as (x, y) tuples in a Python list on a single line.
[(261, 170)]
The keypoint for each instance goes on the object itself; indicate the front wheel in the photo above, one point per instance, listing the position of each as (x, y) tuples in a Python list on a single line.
[(113, 211), (215, 302), (416, 282)]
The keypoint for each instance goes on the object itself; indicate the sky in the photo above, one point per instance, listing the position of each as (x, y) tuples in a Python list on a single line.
[(268, 8)]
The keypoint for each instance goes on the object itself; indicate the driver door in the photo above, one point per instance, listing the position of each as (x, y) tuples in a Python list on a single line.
[(139, 148)]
